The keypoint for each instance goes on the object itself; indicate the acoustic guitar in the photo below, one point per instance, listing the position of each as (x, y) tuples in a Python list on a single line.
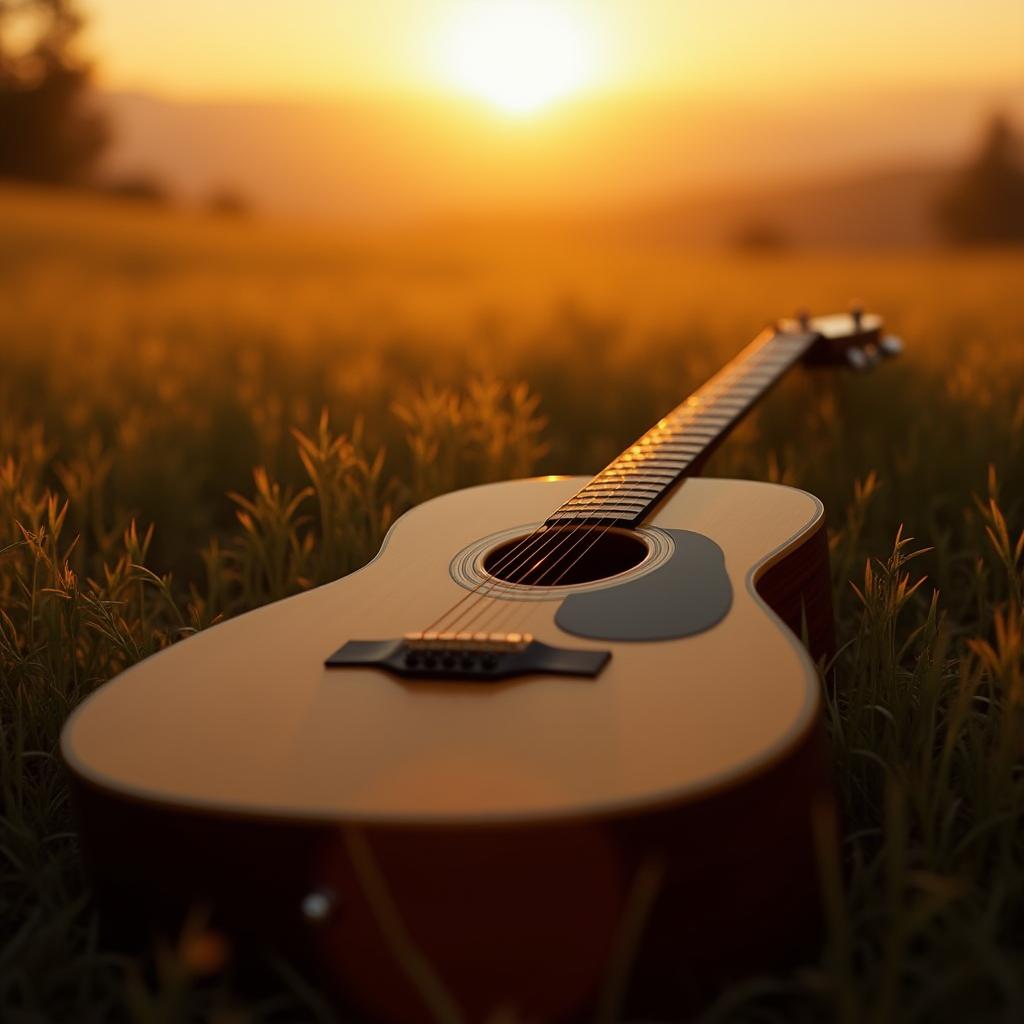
[(558, 740)]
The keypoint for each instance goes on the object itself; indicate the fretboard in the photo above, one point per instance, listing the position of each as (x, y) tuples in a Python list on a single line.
[(627, 489)]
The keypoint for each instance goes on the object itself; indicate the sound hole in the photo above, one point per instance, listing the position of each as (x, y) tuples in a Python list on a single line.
[(562, 556)]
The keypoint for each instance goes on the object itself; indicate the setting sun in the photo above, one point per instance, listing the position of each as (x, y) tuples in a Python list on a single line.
[(519, 55)]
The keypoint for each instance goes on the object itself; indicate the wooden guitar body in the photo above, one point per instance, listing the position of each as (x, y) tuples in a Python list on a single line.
[(444, 848)]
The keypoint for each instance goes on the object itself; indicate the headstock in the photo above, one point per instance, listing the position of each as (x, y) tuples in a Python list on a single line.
[(855, 339)]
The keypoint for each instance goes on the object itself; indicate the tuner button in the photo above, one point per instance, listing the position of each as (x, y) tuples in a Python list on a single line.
[(890, 346), (857, 359)]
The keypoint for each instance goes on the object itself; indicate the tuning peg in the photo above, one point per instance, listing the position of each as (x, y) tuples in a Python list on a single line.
[(803, 318), (857, 359), (857, 315), (890, 346)]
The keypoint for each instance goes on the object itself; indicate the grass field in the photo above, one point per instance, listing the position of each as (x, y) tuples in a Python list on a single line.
[(199, 416)]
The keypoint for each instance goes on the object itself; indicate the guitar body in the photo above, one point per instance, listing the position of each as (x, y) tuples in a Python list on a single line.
[(475, 844)]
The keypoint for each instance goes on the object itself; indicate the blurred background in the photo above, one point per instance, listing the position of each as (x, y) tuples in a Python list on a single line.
[(662, 120), (492, 237)]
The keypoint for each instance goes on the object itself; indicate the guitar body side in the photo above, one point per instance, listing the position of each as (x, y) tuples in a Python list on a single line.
[(533, 911)]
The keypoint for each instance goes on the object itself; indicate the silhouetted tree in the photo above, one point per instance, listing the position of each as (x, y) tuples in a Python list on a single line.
[(227, 201), (141, 186), (47, 130), (986, 202), (759, 236)]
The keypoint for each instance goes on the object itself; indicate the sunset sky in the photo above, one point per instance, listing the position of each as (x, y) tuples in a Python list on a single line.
[(324, 48), (376, 110)]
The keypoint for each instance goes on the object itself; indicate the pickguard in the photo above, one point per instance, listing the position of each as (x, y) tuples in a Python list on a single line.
[(690, 593)]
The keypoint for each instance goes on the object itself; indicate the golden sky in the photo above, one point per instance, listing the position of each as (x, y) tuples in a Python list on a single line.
[(764, 49), (434, 106)]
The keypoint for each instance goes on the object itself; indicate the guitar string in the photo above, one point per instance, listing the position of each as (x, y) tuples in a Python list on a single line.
[(559, 532), (485, 590), (707, 406), (433, 627), (581, 539), (573, 538), (720, 388), (719, 385), (492, 583), (506, 607), (505, 585)]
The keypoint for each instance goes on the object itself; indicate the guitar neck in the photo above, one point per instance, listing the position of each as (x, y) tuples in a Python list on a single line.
[(634, 482)]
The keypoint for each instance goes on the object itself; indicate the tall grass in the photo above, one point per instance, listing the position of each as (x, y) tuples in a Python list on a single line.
[(195, 421)]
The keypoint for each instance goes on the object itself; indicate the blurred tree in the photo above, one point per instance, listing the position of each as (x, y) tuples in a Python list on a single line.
[(227, 201), (986, 201), (759, 236), (141, 186), (47, 130)]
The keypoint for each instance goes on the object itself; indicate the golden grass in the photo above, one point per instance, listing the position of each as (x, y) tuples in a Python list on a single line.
[(198, 416)]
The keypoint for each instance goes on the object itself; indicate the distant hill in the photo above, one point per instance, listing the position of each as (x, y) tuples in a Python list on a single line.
[(687, 169), (877, 208)]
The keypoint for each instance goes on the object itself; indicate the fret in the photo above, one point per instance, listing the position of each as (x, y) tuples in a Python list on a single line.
[(712, 420), (703, 434), (645, 492), (636, 480), (637, 458), (663, 440), (644, 499), (613, 488), (591, 503), (650, 467), (609, 505), (696, 423), (689, 449), (662, 462), (657, 459), (676, 451), (760, 376), (623, 474), (656, 462), (600, 520), (605, 499), (604, 510), (664, 481), (658, 477)]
